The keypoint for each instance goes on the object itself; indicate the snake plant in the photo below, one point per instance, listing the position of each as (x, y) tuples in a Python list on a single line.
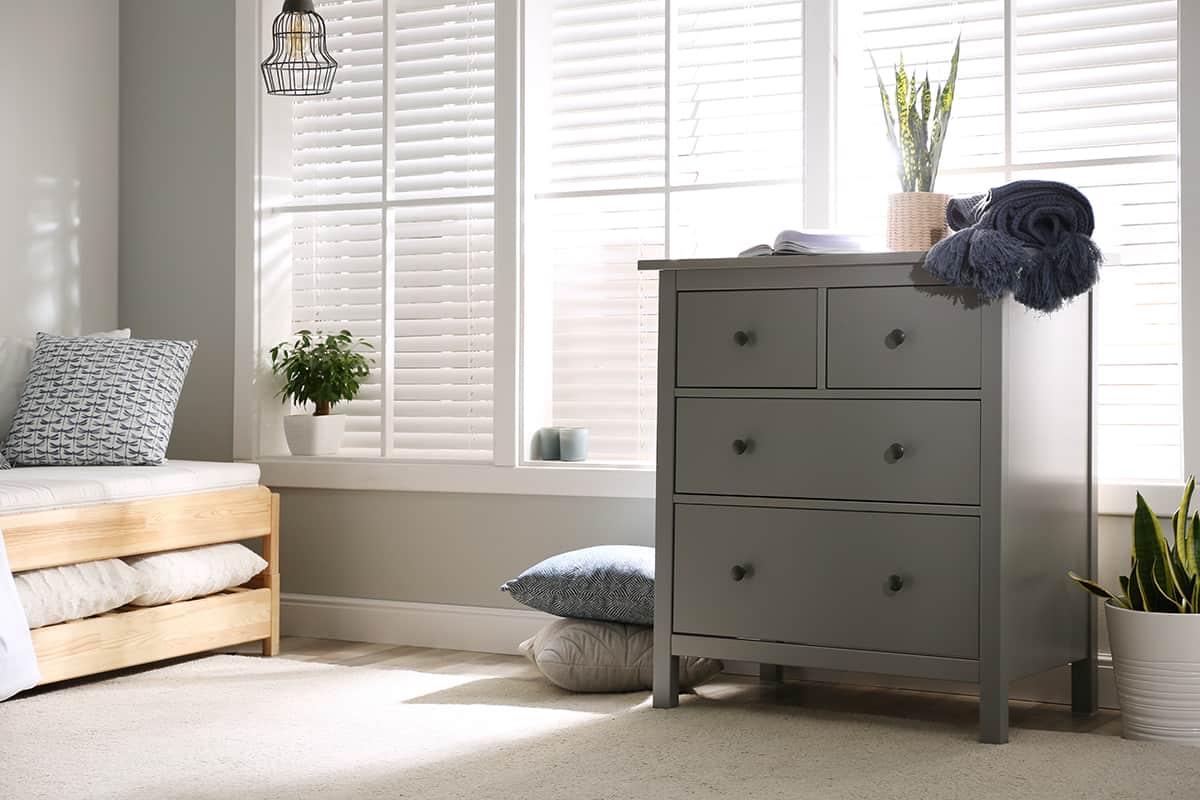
[(917, 130), (1162, 577)]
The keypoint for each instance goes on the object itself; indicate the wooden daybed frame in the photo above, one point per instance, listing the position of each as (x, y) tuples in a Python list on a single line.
[(138, 635)]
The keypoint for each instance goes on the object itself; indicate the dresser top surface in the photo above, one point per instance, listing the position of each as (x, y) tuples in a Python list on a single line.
[(898, 258)]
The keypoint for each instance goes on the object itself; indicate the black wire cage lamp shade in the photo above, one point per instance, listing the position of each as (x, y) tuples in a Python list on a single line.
[(299, 64)]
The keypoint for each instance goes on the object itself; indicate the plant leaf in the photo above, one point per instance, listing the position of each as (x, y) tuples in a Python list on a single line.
[(1143, 597), (920, 153), (1150, 551), (1093, 587), (888, 118), (908, 175), (1166, 594), (1179, 522), (941, 123), (1194, 542)]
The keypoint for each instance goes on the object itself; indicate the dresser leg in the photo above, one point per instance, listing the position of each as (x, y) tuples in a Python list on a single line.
[(1085, 686), (666, 681), (993, 712), (770, 673)]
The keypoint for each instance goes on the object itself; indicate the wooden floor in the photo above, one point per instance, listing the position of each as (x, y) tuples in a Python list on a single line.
[(935, 707)]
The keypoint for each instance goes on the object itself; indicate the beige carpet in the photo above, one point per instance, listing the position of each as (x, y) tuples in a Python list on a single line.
[(233, 726)]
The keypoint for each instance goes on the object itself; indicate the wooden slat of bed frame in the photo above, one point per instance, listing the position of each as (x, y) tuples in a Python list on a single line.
[(88, 533), (135, 636)]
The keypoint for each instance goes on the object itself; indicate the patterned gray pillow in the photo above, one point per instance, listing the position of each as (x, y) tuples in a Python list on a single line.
[(98, 402), (4, 462), (614, 583)]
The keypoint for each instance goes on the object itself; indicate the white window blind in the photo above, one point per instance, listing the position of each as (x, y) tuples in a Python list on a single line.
[(1093, 104), (389, 212), (669, 129), (444, 143)]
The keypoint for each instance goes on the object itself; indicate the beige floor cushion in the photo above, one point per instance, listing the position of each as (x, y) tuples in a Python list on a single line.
[(583, 655)]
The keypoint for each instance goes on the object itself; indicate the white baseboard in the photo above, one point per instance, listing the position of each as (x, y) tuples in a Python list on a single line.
[(500, 630), (355, 619)]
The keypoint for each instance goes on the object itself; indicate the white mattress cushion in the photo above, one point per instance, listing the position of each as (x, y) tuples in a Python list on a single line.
[(40, 488), (75, 591), (195, 572)]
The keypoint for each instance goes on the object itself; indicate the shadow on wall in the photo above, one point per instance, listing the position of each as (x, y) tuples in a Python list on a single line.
[(53, 273)]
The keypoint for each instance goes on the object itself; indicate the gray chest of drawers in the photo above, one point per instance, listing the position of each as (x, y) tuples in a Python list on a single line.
[(862, 469)]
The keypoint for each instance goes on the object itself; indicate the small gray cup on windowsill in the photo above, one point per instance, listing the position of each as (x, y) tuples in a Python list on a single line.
[(547, 443), (573, 444)]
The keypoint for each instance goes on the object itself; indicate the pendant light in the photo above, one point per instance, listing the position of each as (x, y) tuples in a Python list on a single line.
[(299, 63)]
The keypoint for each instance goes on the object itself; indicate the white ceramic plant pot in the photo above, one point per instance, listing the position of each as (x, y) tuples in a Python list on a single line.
[(916, 220), (1156, 661), (314, 436)]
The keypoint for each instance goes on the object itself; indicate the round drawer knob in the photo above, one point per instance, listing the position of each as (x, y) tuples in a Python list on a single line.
[(895, 452), (743, 338), (895, 338), (740, 446), (739, 571), (895, 583)]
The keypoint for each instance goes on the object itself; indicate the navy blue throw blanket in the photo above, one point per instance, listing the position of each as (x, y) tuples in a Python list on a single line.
[(1032, 238)]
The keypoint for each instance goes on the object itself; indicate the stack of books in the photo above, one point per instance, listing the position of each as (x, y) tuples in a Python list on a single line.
[(791, 243)]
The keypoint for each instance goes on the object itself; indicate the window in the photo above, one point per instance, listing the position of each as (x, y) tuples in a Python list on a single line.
[(1082, 91), (667, 135), (656, 135), (500, 293), (386, 215)]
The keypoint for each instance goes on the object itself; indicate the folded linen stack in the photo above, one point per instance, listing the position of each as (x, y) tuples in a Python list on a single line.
[(604, 643), (1031, 238)]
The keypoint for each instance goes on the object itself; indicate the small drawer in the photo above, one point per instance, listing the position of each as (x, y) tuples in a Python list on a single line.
[(899, 583), (763, 338), (904, 337), (919, 451)]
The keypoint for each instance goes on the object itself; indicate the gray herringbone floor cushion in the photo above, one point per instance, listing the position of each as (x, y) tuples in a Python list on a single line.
[(614, 583)]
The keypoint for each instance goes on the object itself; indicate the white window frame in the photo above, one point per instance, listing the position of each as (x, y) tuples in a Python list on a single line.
[(509, 473)]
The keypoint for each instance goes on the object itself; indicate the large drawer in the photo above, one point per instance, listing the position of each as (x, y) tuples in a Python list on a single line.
[(920, 451), (761, 338), (902, 583), (896, 337)]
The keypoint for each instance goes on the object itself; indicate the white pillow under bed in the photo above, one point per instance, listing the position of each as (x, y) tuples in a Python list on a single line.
[(75, 591), (195, 572)]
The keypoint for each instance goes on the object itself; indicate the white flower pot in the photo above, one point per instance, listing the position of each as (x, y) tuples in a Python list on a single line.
[(1156, 661), (314, 436)]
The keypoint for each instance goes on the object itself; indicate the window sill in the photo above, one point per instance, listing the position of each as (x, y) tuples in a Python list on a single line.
[(572, 480), (565, 479), (1120, 499)]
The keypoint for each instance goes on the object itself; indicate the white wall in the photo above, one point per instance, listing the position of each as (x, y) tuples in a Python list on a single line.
[(58, 159)]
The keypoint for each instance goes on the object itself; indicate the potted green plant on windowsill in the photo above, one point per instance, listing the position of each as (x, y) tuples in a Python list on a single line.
[(917, 133), (1154, 627), (324, 370)]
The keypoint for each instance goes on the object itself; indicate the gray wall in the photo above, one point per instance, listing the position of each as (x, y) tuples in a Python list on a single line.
[(439, 548), (177, 208), (58, 158)]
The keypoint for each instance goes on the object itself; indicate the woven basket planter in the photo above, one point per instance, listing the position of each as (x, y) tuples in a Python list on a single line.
[(916, 220)]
